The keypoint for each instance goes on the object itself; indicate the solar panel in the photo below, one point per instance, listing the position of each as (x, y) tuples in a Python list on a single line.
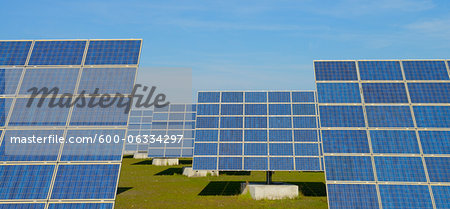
[(169, 124), (37, 170), (266, 131), (113, 52), (140, 123), (385, 129)]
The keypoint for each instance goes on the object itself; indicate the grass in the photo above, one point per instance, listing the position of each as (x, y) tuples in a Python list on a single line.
[(143, 185)]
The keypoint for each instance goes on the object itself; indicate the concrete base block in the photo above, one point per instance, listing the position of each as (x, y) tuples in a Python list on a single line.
[(187, 171), (276, 191), (140, 155), (129, 152), (164, 161)]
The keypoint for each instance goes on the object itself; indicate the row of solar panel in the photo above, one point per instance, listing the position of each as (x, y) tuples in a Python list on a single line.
[(106, 80), (256, 109), (257, 122), (386, 142), (258, 163), (256, 97), (385, 116), (381, 70), (99, 52), (80, 145), (344, 196), (257, 135), (254, 149), (89, 181), (384, 92)]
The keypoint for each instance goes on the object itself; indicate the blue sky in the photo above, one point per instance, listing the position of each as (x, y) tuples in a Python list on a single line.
[(248, 44)]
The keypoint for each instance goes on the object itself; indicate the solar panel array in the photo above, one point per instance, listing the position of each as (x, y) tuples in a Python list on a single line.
[(274, 130), (170, 123), (140, 124), (385, 127), (62, 175)]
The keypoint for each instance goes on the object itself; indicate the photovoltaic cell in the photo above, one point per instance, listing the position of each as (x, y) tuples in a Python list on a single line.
[(255, 131), (57, 53), (47, 113), (113, 52), (9, 80), (23, 206), (338, 93), (14, 52), (397, 153), (80, 205), (64, 79), (335, 71), (107, 80), (25, 181)]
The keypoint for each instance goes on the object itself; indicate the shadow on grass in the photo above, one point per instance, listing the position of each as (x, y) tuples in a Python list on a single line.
[(128, 156), (123, 189), (311, 189), (170, 172), (223, 188), (228, 188), (185, 162), (235, 173), (144, 162)]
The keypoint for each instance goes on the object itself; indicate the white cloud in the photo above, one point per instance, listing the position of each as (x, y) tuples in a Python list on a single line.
[(434, 27)]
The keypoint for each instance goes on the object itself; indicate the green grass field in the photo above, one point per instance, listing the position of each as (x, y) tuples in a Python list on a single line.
[(143, 185)]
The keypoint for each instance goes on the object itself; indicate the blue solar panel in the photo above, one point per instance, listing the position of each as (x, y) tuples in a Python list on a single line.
[(380, 70), (14, 52), (99, 116), (107, 80), (9, 80), (396, 151), (441, 194), (23, 206), (244, 134), (344, 196), (81, 205), (338, 93), (39, 116), (425, 70), (57, 53), (384, 93), (335, 71), (91, 181), (25, 181), (5, 105), (113, 52), (405, 197), (64, 79)]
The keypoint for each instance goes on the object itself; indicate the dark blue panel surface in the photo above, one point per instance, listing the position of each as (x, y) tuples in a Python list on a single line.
[(255, 163), (204, 163), (256, 109), (251, 97), (280, 135), (341, 116), (98, 115), (113, 52), (438, 168), (429, 92), (281, 163), (425, 70), (208, 97), (403, 169), (432, 116), (231, 109), (93, 181), (232, 97), (307, 164), (280, 122), (231, 135), (305, 136), (389, 116), (435, 142), (303, 96), (279, 109), (338, 93), (384, 93), (441, 194), (207, 122), (394, 142), (255, 122), (205, 149), (255, 149), (354, 196), (57, 53), (279, 96), (107, 80), (9, 80), (231, 122), (207, 109), (334, 71), (304, 109), (305, 122), (81, 205), (345, 141), (280, 149), (348, 168), (14, 52), (405, 197), (25, 181), (255, 135), (23, 206), (38, 116), (230, 148), (380, 70), (230, 163), (306, 149)]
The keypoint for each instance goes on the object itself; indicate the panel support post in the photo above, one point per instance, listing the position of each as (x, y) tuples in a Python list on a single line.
[(269, 177)]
